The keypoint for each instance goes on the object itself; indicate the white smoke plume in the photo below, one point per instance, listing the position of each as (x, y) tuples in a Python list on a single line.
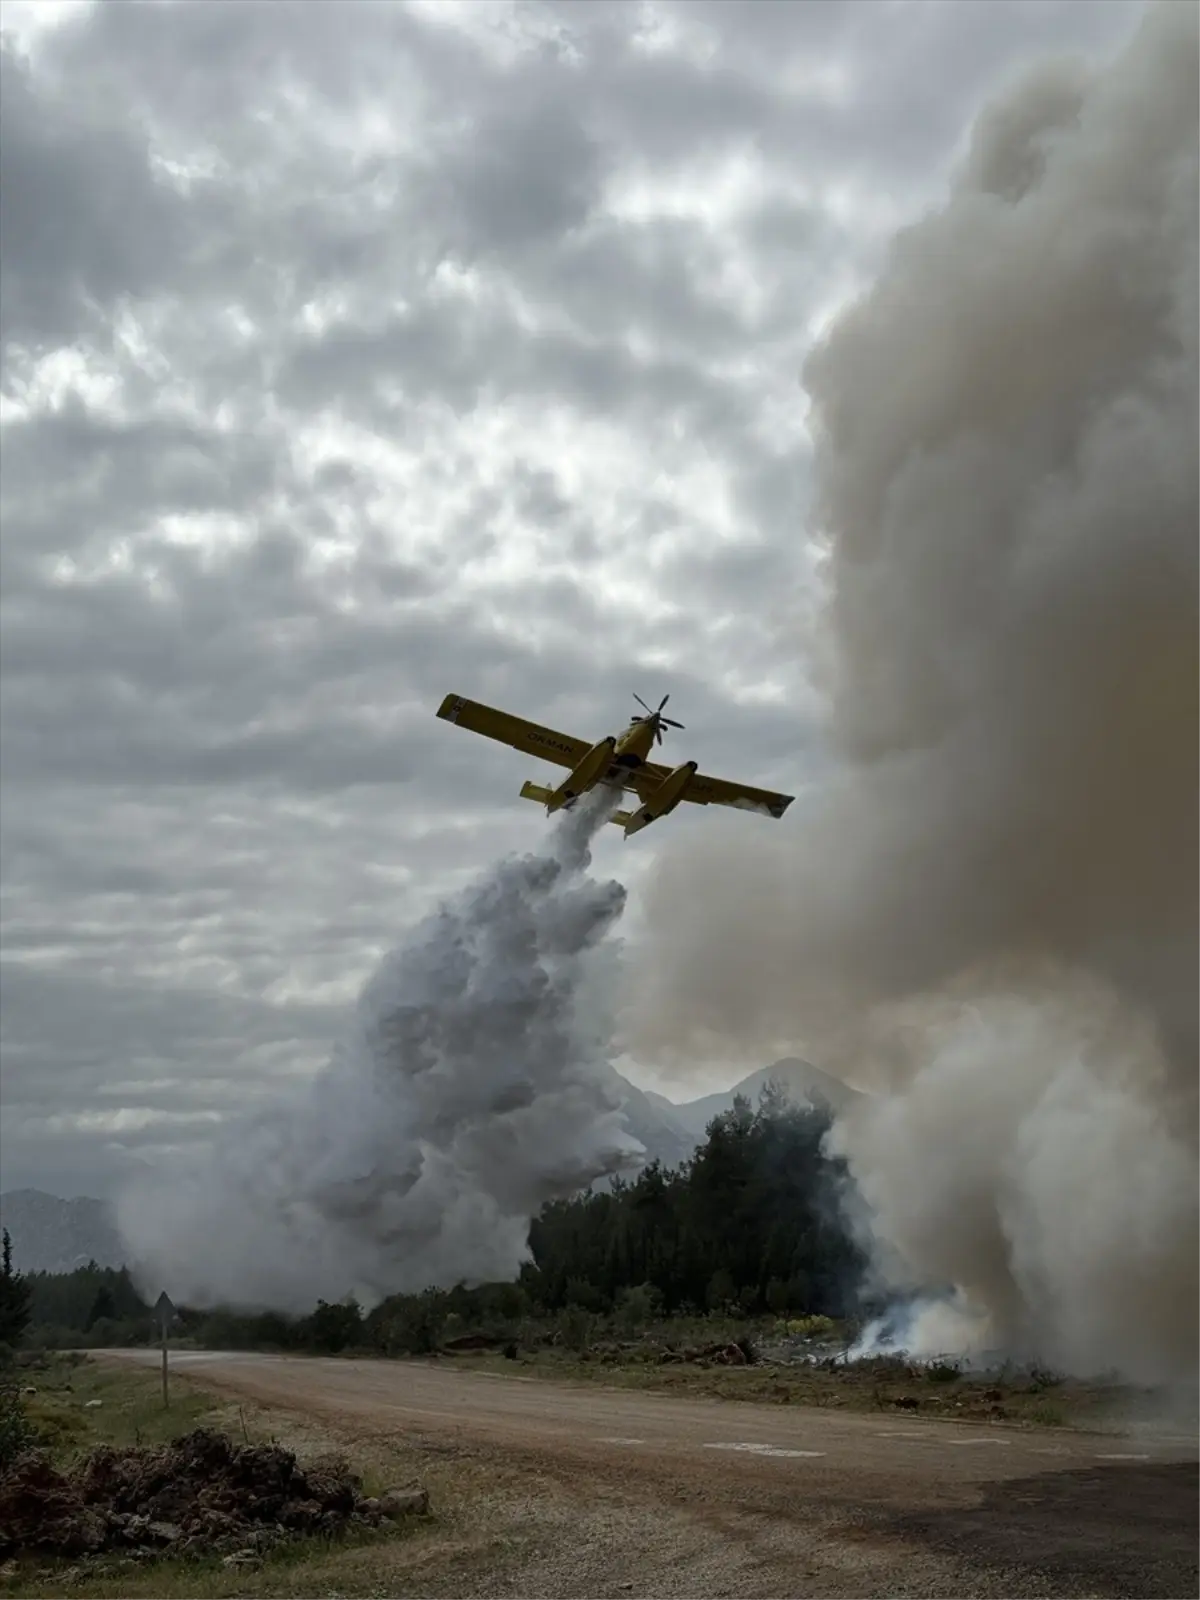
[(471, 1089), (926, 1329), (990, 916)]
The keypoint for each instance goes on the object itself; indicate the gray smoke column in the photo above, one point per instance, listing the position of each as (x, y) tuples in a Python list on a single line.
[(470, 1090), (990, 915)]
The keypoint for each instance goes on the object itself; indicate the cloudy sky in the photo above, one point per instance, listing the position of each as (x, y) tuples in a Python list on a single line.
[(352, 354)]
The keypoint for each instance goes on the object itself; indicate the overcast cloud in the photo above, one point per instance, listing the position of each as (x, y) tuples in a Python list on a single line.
[(351, 355)]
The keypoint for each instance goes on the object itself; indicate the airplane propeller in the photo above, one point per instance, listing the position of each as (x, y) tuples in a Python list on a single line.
[(656, 717)]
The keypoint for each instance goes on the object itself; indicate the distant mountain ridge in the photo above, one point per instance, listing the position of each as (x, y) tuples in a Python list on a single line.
[(50, 1234), (649, 1119), (803, 1084), (671, 1131)]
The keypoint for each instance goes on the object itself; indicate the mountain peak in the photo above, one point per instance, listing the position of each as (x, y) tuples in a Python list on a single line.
[(800, 1080)]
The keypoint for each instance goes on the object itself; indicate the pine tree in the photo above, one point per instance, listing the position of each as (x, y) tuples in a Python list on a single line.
[(14, 1298), (104, 1308)]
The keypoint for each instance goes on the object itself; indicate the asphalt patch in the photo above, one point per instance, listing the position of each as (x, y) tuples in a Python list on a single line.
[(1128, 1529)]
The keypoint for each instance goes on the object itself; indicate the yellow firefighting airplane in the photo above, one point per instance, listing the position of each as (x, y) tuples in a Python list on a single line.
[(618, 761)]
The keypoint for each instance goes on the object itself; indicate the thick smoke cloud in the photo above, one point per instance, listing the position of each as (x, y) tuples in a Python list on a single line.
[(991, 916), (469, 1092)]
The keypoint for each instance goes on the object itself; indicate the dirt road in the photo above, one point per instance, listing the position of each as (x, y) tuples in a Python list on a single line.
[(645, 1494)]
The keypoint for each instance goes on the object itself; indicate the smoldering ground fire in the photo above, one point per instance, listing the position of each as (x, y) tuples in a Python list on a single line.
[(467, 1093), (990, 916)]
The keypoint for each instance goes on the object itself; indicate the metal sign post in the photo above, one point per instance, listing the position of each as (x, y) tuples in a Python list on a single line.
[(165, 1313)]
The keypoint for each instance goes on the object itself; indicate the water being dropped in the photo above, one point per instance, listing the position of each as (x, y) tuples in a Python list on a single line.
[(466, 1094)]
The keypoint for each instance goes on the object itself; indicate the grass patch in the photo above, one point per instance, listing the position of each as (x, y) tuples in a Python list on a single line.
[(80, 1404), (1046, 1414), (886, 1384), (359, 1565)]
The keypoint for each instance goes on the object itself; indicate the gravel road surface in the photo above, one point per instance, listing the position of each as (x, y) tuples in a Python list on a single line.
[(654, 1495)]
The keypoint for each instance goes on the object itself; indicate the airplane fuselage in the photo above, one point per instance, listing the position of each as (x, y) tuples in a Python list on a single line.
[(611, 761), (635, 744), (611, 757)]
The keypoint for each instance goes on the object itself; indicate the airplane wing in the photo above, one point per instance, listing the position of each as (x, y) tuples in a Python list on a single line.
[(706, 791), (528, 737)]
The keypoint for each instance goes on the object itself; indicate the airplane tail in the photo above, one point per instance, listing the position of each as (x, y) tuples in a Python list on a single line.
[(543, 796)]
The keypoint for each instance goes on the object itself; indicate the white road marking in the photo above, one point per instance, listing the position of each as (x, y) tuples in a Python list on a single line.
[(764, 1449), (978, 1441), (899, 1433), (1118, 1456), (617, 1439)]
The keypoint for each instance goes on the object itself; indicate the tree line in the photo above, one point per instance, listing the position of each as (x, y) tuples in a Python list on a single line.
[(92, 1305), (750, 1225)]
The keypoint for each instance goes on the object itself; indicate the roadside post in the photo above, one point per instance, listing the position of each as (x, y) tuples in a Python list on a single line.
[(165, 1313)]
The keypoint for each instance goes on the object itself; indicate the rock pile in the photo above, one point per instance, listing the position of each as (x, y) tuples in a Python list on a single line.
[(199, 1495)]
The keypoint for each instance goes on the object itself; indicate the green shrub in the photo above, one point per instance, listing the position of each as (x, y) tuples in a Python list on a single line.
[(722, 1291), (943, 1371), (575, 1327), (582, 1294), (814, 1327), (17, 1432), (639, 1305)]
